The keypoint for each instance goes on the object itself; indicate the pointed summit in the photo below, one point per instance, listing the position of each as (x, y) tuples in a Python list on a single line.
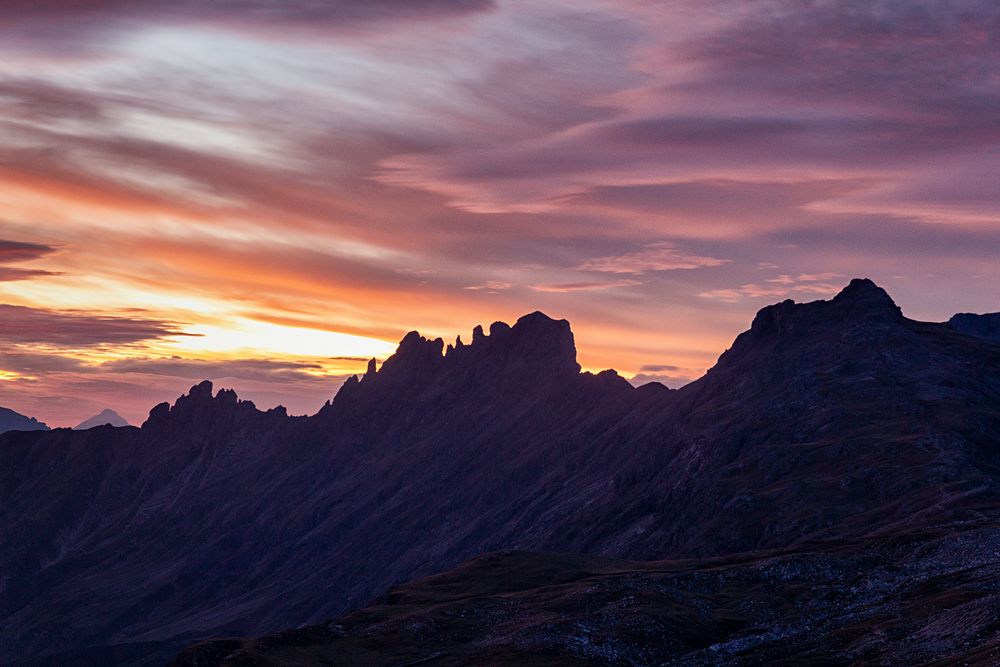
[(106, 417), (861, 300), (862, 293)]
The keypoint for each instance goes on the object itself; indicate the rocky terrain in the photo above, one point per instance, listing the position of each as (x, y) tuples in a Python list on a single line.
[(832, 440), (905, 599)]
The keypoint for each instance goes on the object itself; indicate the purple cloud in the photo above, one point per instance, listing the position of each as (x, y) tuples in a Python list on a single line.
[(15, 251), (652, 257), (20, 325)]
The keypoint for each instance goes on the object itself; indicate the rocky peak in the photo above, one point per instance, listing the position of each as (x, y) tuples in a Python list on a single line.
[(197, 406), (535, 348), (538, 339), (864, 297), (861, 310)]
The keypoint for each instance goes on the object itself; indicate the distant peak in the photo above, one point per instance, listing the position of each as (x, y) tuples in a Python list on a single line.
[(106, 417), (14, 421)]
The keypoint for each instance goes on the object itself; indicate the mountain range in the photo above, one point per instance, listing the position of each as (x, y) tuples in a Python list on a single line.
[(14, 421), (837, 471)]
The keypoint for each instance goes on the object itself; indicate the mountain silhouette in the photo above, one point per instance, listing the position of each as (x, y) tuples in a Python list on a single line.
[(985, 326), (838, 423), (106, 417), (14, 421)]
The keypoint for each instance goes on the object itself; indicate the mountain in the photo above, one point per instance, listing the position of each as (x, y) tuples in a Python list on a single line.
[(830, 423), (985, 326), (13, 421), (105, 418)]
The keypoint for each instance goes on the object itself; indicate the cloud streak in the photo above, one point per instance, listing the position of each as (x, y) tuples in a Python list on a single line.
[(20, 325), (653, 257)]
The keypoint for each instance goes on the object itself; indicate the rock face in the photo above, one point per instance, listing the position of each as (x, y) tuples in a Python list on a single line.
[(105, 418), (826, 423), (13, 421)]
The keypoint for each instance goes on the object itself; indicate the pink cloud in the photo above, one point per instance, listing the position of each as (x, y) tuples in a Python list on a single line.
[(585, 286), (653, 257)]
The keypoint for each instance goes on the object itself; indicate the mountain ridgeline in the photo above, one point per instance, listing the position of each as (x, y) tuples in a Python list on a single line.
[(15, 421), (835, 422)]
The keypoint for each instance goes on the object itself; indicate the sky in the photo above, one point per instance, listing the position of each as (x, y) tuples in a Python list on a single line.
[(268, 193)]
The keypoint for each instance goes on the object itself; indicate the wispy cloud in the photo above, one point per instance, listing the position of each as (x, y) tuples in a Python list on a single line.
[(489, 286), (20, 325), (782, 286), (12, 252), (653, 257), (585, 286)]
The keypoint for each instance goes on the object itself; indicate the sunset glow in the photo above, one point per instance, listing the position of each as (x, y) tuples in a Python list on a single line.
[(269, 194)]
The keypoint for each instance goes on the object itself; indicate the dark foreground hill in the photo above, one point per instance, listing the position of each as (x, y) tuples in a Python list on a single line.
[(906, 599), (829, 423)]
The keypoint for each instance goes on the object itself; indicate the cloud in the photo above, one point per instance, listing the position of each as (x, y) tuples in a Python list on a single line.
[(653, 257), (15, 251), (489, 286), (80, 26), (269, 371), (584, 286), (658, 368), (20, 325), (35, 364), (781, 287)]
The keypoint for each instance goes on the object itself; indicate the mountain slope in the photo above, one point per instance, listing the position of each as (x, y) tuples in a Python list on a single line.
[(13, 421), (106, 417), (910, 599), (829, 421)]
